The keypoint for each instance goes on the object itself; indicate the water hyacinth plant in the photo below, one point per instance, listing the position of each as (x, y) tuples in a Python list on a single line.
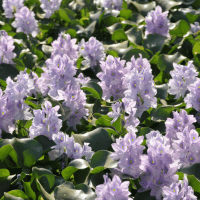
[(99, 100)]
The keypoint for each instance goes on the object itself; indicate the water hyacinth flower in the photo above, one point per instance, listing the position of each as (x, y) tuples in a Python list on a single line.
[(6, 48), (178, 123), (65, 45), (12, 6), (158, 166), (115, 189), (92, 51), (67, 145), (182, 77), (50, 6), (157, 22), (179, 190), (192, 99), (140, 85), (46, 121), (128, 151), (25, 22), (195, 27), (111, 78)]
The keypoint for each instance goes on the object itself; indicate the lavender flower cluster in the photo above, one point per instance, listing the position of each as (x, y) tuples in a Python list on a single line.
[(157, 22), (67, 145), (6, 48), (182, 77)]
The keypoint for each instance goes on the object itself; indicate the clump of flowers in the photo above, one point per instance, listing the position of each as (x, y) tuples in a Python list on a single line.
[(126, 111), (182, 77), (7, 47), (179, 190), (187, 147), (46, 121), (67, 145), (192, 99), (179, 123), (12, 6), (50, 6), (111, 78), (6, 114), (128, 151), (25, 22), (158, 165), (17, 92), (157, 22), (195, 27), (115, 189), (140, 85), (112, 4), (83, 80), (65, 45), (92, 51)]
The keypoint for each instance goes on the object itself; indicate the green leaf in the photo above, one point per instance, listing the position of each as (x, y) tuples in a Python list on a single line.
[(144, 195), (125, 13), (110, 20), (102, 159), (154, 42), (192, 170), (111, 29), (181, 29), (162, 91), (134, 35), (94, 89), (74, 166), (135, 52), (162, 113), (167, 5), (67, 191), (144, 131), (5, 151), (99, 139), (196, 49), (63, 15), (19, 63), (144, 8), (194, 183), (4, 173), (165, 62), (7, 70), (46, 177), (28, 190), (44, 193), (119, 35), (5, 184), (86, 31), (15, 195), (45, 142)]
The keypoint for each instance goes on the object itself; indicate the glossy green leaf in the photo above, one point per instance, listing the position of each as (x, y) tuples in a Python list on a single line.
[(46, 177), (162, 91), (74, 166), (102, 159), (94, 89), (86, 31), (134, 35), (45, 142), (15, 195), (5, 151), (143, 131), (165, 62), (119, 35), (162, 113), (181, 29), (114, 27), (192, 170), (196, 49), (67, 191), (99, 139), (28, 190), (125, 13), (155, 42), (136, 53), (167, 5)]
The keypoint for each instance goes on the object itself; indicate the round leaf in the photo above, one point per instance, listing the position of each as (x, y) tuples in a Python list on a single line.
[(119, 35)]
